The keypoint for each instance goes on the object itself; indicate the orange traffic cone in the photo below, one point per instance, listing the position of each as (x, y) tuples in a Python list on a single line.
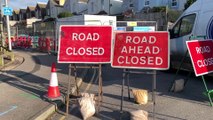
[(53, 90)]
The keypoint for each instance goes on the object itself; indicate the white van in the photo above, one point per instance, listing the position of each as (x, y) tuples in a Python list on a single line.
[(196, 21)]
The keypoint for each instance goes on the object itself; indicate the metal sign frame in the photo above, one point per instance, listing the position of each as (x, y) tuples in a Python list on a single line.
[(125, 77), (208, 92), (100, 83)]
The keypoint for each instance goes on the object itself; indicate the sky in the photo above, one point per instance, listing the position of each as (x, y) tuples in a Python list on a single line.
[(17, 4)]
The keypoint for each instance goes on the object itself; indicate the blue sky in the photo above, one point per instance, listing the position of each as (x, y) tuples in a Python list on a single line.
[(17, 4)]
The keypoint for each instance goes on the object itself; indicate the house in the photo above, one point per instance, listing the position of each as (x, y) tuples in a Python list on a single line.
[(138, 5), (76, 6), (60, 2), (30, 12), (15, 15), (40, 10), (177, 4), (22, 15), (54, 7), (110, 7)]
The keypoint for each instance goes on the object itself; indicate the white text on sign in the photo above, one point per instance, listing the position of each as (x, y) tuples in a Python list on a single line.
[(204, 62), (82, 51), (144, 49), (83, 36)]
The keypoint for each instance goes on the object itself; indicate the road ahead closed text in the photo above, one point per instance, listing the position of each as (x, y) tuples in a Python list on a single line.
[(141, 50), (85, 44)]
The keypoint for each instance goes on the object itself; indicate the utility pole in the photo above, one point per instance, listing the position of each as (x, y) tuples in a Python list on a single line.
[(1, 27), (8, 28), (109, 7)]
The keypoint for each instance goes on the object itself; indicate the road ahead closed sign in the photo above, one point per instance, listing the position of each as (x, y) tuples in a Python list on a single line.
[(145, 50), (85, 44), (201, 53)]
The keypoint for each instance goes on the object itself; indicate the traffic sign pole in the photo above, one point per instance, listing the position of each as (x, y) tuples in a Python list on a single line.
[(8, 29)]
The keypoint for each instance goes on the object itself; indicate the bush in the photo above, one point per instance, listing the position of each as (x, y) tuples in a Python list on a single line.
[(64, 14), (159, 9), (173, 15)]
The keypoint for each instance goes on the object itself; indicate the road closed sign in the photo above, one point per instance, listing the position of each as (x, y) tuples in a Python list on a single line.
[(201, 53), (142, 50), (85, 44)]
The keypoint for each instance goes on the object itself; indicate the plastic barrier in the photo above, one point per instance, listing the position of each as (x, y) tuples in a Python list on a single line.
[(35, 42), (47, 47), (40, 43), (28, 42)]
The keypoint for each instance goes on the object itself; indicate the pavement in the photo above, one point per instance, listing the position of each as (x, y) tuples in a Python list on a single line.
[(24, 82)]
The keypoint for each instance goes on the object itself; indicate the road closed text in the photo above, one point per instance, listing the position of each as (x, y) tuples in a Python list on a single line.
[(206, 61), (82, 51), (85, 51), (201, 54)]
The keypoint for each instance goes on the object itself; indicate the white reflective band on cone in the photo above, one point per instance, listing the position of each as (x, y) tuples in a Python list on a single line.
[(54, 79)]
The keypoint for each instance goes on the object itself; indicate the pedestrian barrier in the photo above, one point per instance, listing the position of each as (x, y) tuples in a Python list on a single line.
[(35, 41), (48, 42)]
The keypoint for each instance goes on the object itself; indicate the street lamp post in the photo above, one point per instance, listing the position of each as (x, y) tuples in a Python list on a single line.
[(8, 28), (1, 29)]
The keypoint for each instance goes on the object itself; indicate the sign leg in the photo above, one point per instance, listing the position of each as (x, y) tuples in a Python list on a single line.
[(100, 92), (76, 85), (68, 91), (153, 92), (207, 91), (128, 83), (122, 93)]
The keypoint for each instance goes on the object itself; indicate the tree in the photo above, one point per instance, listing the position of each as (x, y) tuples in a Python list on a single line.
[(64, 14), (173, 15), (188, 3)]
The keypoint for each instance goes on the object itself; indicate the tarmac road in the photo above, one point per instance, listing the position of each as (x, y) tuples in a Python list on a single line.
[(22, 89), (189, 104)]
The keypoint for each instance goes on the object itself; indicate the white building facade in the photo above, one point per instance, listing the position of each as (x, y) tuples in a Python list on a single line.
[(111, 7), (76, 6), (138, 5)]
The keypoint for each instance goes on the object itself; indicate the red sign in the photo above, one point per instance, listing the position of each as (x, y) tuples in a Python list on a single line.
[(201, 53), (85, 44), (147, 50)]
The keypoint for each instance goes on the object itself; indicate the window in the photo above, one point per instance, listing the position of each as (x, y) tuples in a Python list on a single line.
[(102, 4), (48, 11), (131, 3), (74, 7), (146, 2), (39, 13), (174, 3), (184, 26), (92, 7)]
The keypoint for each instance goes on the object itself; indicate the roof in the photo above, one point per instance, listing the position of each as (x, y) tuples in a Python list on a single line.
[(55, 2), (23, 10), (16, 11), (83, 0), (31, 8), (41, 5)]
